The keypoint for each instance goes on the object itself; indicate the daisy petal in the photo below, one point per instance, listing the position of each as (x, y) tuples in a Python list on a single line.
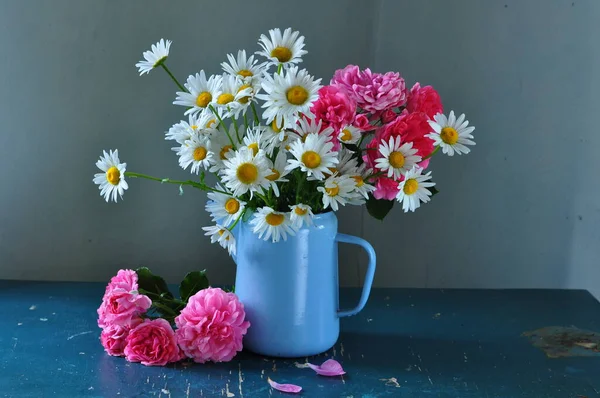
[(291, 388), (331, 367)]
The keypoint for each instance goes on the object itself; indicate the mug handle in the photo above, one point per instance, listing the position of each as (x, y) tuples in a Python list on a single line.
[(355, 240)]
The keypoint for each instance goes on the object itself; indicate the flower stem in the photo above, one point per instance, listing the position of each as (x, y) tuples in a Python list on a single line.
[(279, 68), (173, 77), (232, 226), (437, 148), (245, 121), (235, 125), (375, 175), (194, 184), (299, 189), (256, 119), (214, 111)]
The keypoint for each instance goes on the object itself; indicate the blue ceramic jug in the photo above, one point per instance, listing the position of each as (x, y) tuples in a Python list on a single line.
[(290, 288)]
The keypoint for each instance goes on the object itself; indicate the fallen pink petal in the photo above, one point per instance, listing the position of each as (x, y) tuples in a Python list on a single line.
[(330, 367), (291, 388)]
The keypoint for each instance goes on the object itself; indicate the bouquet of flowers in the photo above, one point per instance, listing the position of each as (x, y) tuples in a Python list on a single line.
[(283, 147)]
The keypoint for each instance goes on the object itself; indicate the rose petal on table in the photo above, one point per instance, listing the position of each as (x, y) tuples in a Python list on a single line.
[(291, 388), (330, 367)]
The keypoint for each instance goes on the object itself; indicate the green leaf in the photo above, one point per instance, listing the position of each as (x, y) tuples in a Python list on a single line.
[(433, 191), (152, 283), (379, 208), (192, 283)]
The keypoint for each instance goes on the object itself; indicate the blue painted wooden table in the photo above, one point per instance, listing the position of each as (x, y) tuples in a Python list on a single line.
[(406, 343)]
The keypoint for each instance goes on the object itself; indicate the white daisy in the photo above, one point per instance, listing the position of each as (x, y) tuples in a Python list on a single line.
[(397, 158), (255, 140), (182, 131), (276, 133), (234, 95), (413, 190), (224, 209), (286, 49), (452, 134), (301, 215), (221, 146), (222, 235), (196, 152), (314, 156), (360, 176), (245, 172), (349, 135), (247, 68), (347, 163), (288, 94), (111, 181), (306, 126), (202, 93), (278, 172), (337, 190), (269, 223), (155, 57)]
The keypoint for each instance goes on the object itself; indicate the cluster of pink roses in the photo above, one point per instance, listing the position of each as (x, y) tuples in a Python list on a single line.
[(381, 103), (209, 328)]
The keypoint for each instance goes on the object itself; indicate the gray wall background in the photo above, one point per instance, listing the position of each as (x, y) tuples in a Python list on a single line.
[(521, 211)]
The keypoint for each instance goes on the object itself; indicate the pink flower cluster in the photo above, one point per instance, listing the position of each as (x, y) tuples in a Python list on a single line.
[(396, 113), (210, 327)]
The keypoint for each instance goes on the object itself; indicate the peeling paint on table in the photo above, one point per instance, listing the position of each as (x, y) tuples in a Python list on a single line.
[(397, 347)]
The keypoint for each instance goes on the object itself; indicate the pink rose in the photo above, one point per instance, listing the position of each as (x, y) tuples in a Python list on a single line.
[(386, 188), (211, 326), (152, 343), (333, 108), (362, 122), (372, 91), (122, 307), (113, 338), (425, 100), (125, 279)]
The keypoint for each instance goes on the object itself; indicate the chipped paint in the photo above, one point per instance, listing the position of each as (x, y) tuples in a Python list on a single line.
[(558, 341), (391, 382), (78, 334), (240, 379)]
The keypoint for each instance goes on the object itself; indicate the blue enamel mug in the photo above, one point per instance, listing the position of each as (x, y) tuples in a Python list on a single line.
[(290, 289)]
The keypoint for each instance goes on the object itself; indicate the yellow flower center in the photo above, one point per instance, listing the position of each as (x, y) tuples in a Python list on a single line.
[(283, 54), (224, 151), (245, 73), (358, 180), (203, 99), (244, 100), (333, 191), (199, 153), (410, 186), (300, 211), (396, 160), (225, 98), (275, 127), (232, 206), (346, 135), (296, 95), (247, 173), (194, 127), (273, 177), (274, 219), (311, 159), (449, 135), (254, 147), (113, 175), (210, 123)]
